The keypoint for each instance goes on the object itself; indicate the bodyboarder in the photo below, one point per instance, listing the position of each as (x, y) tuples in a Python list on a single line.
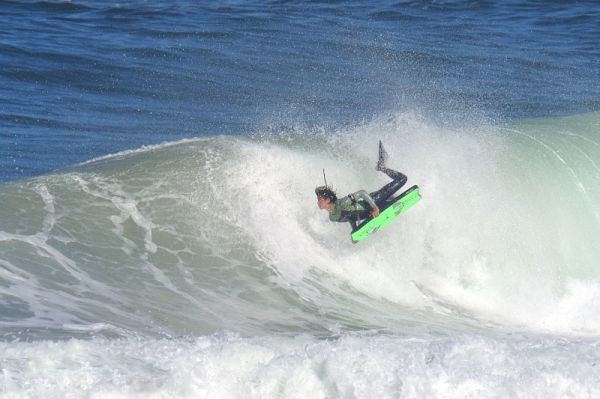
[(361, 205)]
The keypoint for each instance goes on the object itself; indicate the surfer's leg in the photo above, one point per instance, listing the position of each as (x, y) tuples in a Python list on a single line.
[(394, 174), (382, 195)]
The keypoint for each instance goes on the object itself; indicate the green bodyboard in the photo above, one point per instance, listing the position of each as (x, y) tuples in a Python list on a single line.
[(402, 203)]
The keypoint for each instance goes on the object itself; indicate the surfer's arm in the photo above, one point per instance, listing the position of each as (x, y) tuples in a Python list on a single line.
[(363, 195)]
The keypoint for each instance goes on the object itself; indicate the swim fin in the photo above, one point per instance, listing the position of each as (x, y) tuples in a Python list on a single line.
[(383, 157)]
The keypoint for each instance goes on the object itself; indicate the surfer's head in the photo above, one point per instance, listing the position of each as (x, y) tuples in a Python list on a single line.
[(325, 193)]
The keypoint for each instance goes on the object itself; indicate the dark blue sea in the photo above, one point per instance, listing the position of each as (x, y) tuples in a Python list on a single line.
[(81, 79), (159, 235)]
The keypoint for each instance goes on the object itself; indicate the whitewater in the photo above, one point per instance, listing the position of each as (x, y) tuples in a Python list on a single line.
[(203, 268)]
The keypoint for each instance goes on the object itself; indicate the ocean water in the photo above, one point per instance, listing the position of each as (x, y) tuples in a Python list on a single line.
[(159, 235)]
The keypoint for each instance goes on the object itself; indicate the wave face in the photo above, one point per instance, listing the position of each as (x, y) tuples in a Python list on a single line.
[(212, 252), (220, 233)]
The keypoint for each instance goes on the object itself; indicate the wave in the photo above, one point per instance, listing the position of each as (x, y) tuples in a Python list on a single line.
[(223, 233)]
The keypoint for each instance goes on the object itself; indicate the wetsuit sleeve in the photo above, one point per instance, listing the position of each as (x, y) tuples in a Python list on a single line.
[(363, 195)]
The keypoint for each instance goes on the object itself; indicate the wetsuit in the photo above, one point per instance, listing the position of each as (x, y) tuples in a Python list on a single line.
[(359, 205), (352, 208)]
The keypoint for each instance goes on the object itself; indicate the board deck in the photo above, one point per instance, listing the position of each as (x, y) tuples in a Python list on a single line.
[(386, 215)]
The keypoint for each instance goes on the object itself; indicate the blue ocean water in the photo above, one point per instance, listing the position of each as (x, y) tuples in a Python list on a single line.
[(159, 235), (83, 79)]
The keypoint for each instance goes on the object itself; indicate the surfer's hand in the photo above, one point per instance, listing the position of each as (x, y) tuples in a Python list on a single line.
[(375, 212)]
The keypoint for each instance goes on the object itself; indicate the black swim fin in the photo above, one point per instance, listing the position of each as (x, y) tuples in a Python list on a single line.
[(383, 157)]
